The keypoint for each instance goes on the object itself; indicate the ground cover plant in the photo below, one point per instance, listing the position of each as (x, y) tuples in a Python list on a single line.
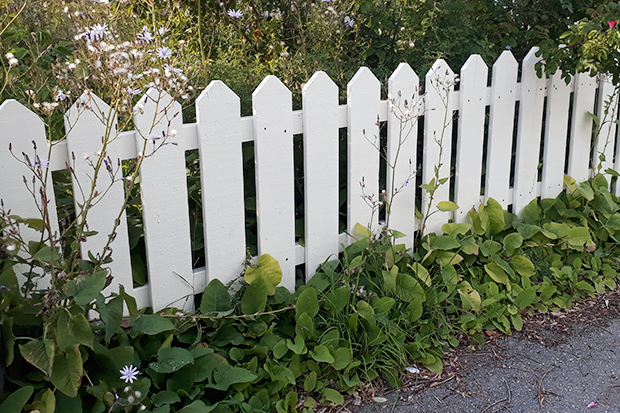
[(362, 317), (257, 347)]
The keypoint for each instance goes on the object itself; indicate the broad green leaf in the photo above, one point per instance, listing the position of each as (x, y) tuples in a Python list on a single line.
[(197, 406), (46, 255), (454, 229), (337, 299), (342, 357), (531, 213), (332, 395), (321, 354), (447, 206), (172, 359), (16, 401), (497, 274), (151, 324), (523, 265), (383, 305), (111, 314), (307, 302), (389, 280), (511, 242), (85, 288), (476, 222), (408, 289), (578, 236), (67, 372), (445, 258), (280, 349), (268, 270), (421, 272), (492, 217), (305, 326), (443, 242), (414, 310), (526, 298), (49, 400), (469, 246), (559, 229), (527, 231), (255, 297), (365, 310), (517, 321), (165, 397), (298, 346), (310, 381), (470, 297), (39, 353), (450, 278), (80, 330), (361, 231), (215, 298)]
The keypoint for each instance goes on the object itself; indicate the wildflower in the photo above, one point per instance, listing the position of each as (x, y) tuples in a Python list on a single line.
[(98, 31), (59, 95), (406, 182), (612, 24), (131, 91), (592, 404), (152, 137), (349, 21), (164, 52), (145, 35), (38, 162), (2, 287), (235, 14), (129, 374), (12, 60), (162, 30)]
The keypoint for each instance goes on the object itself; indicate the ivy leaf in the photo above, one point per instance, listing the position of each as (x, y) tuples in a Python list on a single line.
[(172, 359), (216, 298), (307, 302), (151, 324), (310, 381), (512, 242), (268, 270), (492, 217), (254, 298), (342, 357)]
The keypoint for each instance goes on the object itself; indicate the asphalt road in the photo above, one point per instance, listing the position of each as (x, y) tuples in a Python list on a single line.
[(518, 375)]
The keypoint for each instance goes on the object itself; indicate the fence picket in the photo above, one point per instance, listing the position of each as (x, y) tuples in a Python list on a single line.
[(363, 94), (405, 108), (469, 147), (88, 122), (556, 130), (605, 142), (165, 209), (22, 129), (321, 170), (218, 114), (439, 86), (275, 199), (581, 128), (501, 128), (529, 133)]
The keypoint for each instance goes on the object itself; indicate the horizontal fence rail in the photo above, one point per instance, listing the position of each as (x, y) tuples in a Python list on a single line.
[(512, 139)]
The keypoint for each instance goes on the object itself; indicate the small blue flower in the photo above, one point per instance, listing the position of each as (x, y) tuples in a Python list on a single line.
[(164, 52)]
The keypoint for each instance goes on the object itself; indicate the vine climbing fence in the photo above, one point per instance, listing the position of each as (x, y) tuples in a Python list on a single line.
[(501, 133)]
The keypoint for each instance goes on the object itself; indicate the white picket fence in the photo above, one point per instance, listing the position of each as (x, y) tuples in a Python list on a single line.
[(220, 131)]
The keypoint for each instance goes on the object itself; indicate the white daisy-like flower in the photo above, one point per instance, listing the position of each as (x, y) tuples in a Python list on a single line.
[(129, 374)]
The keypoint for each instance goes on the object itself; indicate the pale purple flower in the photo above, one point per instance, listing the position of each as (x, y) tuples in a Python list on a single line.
[(406, 182), (235, 14), (162, 30), (129, 373), (592, 404), (164, 52), (60, 95), (131, 91), (38, 162), (349, 21), (145, 35), (98, 31), (152, 137)]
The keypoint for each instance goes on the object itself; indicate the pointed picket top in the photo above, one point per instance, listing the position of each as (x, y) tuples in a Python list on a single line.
[(275, 197), (321, 189), (363, 98), (91, 128), (437, 146), (23, 129), (469, 147), (270, 86), (528, 133), (218, 116), (405, 105), (501, 120), (90, 106), (165, 210)]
